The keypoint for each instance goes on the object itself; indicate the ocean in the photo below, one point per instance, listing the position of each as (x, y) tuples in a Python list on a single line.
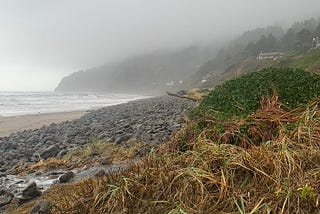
[(22, 103)]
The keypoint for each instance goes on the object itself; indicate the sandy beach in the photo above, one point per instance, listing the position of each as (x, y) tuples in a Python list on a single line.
[(13, 124)]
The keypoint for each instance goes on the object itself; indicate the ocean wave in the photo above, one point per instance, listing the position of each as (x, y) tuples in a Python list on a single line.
[(21, 103)]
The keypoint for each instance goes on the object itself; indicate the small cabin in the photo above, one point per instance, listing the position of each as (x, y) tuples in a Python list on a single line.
[(268, 55)]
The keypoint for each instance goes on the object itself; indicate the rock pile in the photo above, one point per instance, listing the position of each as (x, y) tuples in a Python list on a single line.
[(150, 120)]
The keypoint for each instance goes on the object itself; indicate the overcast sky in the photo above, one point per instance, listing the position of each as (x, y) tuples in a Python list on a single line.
[(43, 40)]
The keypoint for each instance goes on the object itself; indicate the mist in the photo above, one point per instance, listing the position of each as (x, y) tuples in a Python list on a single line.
[(41, 41)]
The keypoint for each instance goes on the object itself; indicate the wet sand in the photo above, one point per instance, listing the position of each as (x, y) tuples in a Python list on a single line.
[(13, 124)]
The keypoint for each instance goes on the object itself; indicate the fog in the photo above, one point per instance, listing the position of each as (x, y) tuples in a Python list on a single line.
[(43, 40)]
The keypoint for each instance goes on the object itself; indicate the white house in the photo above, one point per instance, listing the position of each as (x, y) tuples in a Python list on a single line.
[(268, 55)]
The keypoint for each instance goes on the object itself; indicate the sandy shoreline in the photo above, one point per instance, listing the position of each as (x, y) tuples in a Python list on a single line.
[(13, 124)]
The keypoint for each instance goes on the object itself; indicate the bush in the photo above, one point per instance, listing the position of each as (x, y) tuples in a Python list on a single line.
[(239, 96)]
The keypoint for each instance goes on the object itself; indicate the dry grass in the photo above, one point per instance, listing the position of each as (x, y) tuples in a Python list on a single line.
[(92, 153), (268, 162), (196, 93)]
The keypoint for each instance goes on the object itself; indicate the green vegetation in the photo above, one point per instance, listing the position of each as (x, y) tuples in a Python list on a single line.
[(294, 87), (310, 62)]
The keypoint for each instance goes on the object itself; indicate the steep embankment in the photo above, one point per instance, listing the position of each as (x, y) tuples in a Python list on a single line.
[(262, 156), (309, 61)]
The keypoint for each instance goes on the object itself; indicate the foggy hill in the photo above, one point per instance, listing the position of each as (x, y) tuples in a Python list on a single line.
[(148, 74), (161, 71), (239, 56)]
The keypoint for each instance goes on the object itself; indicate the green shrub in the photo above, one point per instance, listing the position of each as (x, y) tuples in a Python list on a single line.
[(241, 96)]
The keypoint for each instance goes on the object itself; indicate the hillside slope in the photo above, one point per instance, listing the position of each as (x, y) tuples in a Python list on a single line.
[(149, 73), (309, 61), (239, 56)]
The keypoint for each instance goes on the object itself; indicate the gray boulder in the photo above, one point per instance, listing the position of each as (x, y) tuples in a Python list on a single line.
[(5, 197), (66, 177), (62, 153), (50, 152), (42, 207), (122, 138), (2, 173), (30, 192)]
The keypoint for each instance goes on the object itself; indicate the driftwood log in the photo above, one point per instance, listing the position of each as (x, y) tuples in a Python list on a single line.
[(182, 96)]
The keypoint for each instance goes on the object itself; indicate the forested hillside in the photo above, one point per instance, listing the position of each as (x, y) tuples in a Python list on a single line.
[(150, 73), (202, 67), (240, 55)]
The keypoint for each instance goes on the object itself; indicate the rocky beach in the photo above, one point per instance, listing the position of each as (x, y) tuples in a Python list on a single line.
[(150, 121)]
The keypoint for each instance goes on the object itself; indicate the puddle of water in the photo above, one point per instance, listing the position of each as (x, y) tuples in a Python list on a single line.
[(16, 184)]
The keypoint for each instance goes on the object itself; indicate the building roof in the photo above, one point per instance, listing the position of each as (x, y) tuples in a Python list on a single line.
[(270, 54)]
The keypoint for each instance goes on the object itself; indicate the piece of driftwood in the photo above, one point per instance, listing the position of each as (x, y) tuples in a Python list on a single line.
[(182, 96)]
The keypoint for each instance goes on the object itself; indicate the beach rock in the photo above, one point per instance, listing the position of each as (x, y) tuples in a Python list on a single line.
[(62, 153), (42, 207), (140, 119), (50, 152), (122, 138), (82, 141), (66, 177), (5, 197), (30, 192), (158, 136), (118, 132), (3, 168)]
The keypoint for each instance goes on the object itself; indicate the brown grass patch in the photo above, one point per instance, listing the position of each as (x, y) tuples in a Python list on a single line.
[(103, 151)]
